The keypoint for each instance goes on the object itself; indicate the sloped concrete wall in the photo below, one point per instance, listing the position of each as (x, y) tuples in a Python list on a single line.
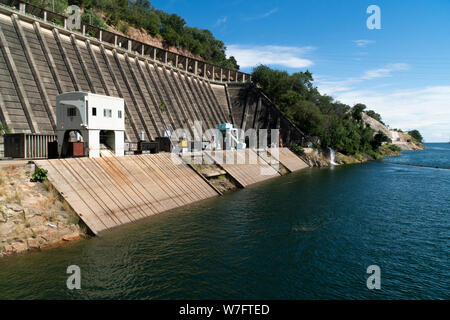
[(109, 192), (38, 61)]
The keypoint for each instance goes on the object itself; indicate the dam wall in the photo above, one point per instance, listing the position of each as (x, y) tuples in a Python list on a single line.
[(38, 61), (109, 192), (162, 90)]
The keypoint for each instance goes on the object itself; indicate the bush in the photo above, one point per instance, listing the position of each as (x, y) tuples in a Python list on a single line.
[(394, 148), (416, 135), (90, 17), (39, 175), (57, 22), (4, 129), (90, 33), (297, 149)]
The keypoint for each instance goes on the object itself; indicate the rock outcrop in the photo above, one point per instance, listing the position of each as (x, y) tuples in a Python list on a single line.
[(31, 215)]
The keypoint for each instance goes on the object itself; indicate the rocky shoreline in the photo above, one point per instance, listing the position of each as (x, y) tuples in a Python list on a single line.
[(321, 158), (32, 214)]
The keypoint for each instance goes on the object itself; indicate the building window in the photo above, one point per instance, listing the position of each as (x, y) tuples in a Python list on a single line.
[(119, 114), (107, 113), (71, 112), (94, 111)]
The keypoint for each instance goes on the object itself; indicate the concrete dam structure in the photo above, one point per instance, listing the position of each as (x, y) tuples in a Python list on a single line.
[(109, 192), (162, 90)]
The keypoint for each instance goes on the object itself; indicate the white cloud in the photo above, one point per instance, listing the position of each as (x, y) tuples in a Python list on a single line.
[(385, 71), (220, 21), (426, 109), (363, 43), (332, 87), (262, 16), (269, 13), (250, 56)]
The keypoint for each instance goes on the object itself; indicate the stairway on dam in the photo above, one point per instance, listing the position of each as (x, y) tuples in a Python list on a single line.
[(39, 60)]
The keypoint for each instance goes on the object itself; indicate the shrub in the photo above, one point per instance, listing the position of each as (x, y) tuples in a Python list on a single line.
[(297, 149), (90, 17), (416, 135), (4, 129), (394, 148), (90, 33), (57, 22), (39, 175)]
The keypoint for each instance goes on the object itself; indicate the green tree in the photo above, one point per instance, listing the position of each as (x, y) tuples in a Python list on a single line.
[(378, 140), (357, 111), (336, 124), (416, 135)]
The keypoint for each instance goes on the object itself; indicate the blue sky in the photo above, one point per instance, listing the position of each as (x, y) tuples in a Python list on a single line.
[(401, 71)]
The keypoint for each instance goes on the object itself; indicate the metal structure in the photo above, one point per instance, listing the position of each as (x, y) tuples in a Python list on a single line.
[(27, 145), (230, 138)]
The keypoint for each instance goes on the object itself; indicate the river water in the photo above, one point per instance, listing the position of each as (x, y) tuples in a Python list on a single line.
[(308, 235)]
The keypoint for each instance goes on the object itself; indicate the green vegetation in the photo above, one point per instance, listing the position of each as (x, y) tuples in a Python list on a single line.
[(57, 22), (297, 149), (338, 125), (394, 148), (4, 129), (416, 135), (171, 28), (90, 17), (39, 175), (59, 5), (374, 115)]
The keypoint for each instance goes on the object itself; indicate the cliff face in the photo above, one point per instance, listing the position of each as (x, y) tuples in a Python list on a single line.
[(405, 141), (402, 140), (375, 125)]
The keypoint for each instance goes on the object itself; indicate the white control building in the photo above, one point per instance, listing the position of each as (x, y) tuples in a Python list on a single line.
[(100, 120)]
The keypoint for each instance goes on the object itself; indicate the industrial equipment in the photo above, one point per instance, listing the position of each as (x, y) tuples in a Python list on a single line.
[(230, 138)]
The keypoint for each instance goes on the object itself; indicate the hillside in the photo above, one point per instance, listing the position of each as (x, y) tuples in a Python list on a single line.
[(140, 20)]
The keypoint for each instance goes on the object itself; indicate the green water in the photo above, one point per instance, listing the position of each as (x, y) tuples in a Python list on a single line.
[(308, 235)]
